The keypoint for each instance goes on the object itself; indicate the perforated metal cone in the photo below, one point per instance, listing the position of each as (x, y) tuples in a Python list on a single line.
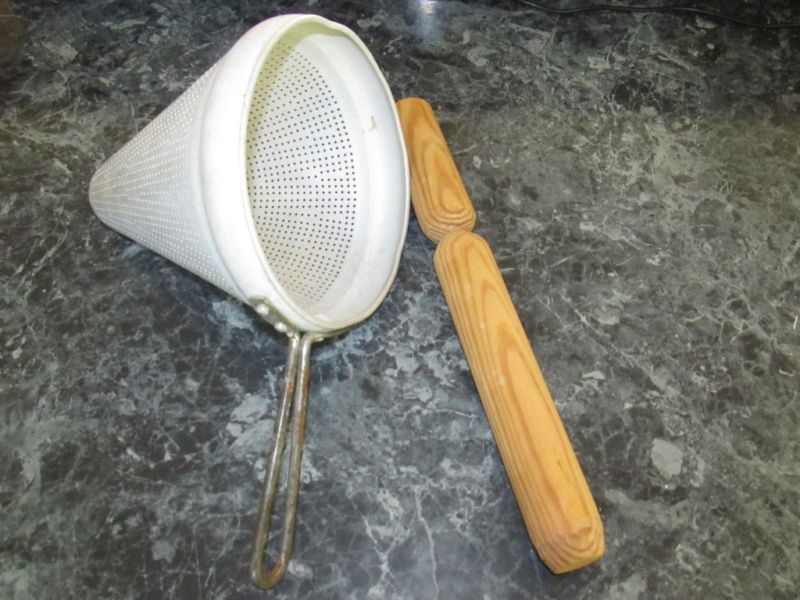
[(148, 190), (279, 176)]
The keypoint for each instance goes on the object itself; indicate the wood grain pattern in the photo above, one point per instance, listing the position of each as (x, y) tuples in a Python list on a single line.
[(554, 499), (440, 200)]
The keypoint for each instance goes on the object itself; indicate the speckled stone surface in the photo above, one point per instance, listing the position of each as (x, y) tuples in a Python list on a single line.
[(639, 180)]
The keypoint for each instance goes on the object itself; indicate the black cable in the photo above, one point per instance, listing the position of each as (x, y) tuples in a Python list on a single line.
[(666, 8)]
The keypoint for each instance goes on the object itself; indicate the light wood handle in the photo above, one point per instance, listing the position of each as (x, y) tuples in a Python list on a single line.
[(554, 499), (440, 201)]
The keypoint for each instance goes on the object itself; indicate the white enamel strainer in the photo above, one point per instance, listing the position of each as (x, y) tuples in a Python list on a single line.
[(281, 177)]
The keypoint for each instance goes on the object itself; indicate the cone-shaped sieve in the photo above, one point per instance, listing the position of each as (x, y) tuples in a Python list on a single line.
[(281, 177)]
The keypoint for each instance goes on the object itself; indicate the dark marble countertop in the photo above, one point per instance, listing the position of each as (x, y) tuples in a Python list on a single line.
[(639, 180)]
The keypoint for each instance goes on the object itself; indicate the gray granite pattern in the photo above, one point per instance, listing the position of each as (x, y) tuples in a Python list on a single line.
[(639, 180)]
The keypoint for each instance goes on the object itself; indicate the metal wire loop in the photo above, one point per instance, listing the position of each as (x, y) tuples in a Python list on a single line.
[(295, 392)]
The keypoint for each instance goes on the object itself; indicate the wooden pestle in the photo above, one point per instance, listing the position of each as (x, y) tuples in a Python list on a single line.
[(556, 505)]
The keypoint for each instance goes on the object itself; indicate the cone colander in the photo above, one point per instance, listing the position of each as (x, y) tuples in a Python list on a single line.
[(280, 176)]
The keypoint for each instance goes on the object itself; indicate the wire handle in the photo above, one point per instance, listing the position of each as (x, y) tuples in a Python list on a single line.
[(295, 391)]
